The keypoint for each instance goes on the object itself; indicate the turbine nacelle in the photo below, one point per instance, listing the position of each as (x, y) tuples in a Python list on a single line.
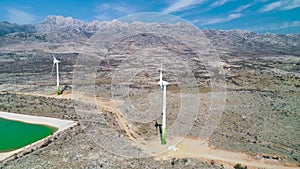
[(162, 83), (55, 60)]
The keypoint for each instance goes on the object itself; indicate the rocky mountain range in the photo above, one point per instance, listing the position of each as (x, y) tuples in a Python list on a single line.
[(233, 39)]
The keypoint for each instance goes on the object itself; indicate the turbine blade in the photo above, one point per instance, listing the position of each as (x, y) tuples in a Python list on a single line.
[(52, 70), (160, 75)]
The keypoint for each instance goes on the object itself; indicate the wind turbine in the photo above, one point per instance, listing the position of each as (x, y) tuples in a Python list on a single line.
[(163, 84), (55, 61)]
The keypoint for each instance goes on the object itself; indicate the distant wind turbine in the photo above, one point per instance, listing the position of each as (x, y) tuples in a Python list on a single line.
[(163, 84), (55, 61)]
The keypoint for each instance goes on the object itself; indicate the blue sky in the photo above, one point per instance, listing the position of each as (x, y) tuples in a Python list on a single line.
[(275, 16)]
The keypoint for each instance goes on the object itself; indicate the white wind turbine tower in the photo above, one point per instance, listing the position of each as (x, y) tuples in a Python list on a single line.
[(55, 61), (163, 84)]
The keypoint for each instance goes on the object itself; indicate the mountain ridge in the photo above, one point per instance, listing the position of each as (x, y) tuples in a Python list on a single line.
[(62, 29), (60, 22)]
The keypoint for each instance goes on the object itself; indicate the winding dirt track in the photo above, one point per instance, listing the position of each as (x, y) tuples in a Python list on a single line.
[(193, 148), (188, 148)]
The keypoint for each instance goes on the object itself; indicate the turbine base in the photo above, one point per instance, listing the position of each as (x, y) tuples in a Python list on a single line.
[(58, 90), (163, 136)]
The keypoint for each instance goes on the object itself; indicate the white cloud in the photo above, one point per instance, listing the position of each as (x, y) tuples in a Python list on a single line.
[(216, 4), (180, 5), (117, 8), (20, 17), (218, 19), (281, 5), (234, 16), (220, 3), (110, 11), (243, 7), (246, 6), (292, 5), (272, 6), (276, 26)]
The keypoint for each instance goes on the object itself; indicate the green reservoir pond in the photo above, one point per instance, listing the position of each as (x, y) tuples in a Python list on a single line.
[(17, 134)]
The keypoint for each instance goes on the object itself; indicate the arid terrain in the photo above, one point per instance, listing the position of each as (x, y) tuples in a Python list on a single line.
[(260, 89)]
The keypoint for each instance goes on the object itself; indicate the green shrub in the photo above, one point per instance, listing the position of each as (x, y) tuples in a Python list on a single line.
[(239, 166)]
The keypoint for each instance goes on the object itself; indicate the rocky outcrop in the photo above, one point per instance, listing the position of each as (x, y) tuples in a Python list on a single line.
[(68, 24)]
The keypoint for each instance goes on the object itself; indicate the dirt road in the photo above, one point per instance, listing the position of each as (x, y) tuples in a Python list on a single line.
[(195, 148)]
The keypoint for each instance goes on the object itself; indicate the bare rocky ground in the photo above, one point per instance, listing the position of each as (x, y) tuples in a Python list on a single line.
[(76, 150), (261, 114)]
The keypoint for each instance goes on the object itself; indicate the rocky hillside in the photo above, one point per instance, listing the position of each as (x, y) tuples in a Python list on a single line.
[(7, 28), (250, 41)]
